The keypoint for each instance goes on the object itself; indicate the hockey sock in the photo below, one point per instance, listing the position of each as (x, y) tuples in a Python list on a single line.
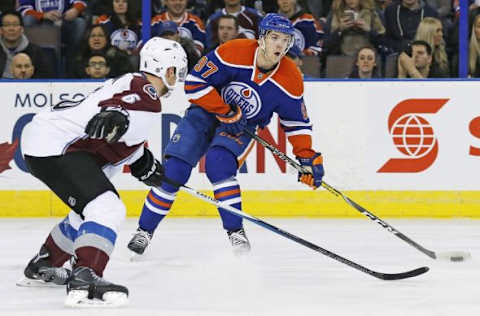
[(93, 246), (221, 167), (159, 200), (98, 233), (60, 241)]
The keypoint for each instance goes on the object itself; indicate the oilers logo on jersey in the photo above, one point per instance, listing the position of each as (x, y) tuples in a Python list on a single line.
[(243, 95)]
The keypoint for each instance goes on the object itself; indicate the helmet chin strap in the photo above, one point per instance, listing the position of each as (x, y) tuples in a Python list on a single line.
[(165, 82)]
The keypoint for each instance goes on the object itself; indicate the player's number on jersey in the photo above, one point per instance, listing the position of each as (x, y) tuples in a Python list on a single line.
[(211, 67)]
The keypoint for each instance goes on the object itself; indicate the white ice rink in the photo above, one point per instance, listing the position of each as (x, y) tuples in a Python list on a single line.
[(190, 270)]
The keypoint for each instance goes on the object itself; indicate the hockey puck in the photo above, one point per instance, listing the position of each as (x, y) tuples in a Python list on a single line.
[(457, 258)]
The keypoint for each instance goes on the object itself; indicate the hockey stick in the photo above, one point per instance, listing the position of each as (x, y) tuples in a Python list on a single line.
[(449, 255), (281, 232)]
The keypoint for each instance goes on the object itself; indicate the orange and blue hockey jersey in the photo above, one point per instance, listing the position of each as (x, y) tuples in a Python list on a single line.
[(228, 75), (37, 8), (308, 33), (190, 26)]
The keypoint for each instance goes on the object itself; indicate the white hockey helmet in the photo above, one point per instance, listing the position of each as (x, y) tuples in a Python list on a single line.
[(158, 54)]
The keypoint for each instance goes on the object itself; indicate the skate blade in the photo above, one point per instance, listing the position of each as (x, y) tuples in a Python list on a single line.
[(135, 256), (110, 300), (26, 282)]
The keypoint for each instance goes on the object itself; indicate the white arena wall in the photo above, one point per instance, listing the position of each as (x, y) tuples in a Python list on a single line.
[(399, 148)]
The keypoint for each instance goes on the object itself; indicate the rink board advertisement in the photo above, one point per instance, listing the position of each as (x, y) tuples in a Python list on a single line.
[(405, 148)]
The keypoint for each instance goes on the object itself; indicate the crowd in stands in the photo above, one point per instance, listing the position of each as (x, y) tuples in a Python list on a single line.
[(333, 39)]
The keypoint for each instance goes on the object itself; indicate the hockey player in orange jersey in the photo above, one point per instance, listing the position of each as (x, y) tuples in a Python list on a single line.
[(238, 86)]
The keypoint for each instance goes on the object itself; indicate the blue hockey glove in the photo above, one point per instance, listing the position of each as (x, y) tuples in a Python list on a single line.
[(234, 122), (315, 166)]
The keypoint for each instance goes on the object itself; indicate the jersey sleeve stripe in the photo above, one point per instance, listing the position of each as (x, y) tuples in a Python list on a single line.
[(198, 93), (294, 123), (298, 132), (191, 78), (195, 87)]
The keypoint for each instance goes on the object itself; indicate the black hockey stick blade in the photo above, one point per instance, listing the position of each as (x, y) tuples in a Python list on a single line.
[(402, 275), (306, 243)]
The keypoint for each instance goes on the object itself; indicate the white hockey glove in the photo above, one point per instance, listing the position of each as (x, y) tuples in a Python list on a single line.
[(110, 124)]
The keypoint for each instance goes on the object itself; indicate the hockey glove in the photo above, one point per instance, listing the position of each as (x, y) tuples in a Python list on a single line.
[(234, 122), (315, 167), (148, 169), (110, 124)]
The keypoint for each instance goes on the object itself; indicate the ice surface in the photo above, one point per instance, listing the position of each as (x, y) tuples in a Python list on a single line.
[(189, 269)]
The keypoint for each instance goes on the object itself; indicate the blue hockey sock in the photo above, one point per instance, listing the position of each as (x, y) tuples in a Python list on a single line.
[(221, 167), (159, 200)]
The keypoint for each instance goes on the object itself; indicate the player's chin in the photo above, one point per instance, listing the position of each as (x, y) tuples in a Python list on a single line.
[(276, 57)]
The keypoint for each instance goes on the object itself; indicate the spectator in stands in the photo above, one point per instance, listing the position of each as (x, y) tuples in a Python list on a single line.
[(430, 30), (365, 65), (353, 24), (22, 67), (189, 25), (97, 67), (123, 23), (227, 30), (248, 20), (401, 22), (169, 30), (474, 56), (61, 12), (415, 61), (13, 41), (96, 42), (309, 32)]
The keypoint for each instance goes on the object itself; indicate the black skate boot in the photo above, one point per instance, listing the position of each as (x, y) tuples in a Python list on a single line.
[(40, 272), (239, 241), (86, 289), (140, 241)]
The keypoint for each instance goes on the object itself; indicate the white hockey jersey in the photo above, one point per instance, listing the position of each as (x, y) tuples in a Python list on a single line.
[(61, 128)]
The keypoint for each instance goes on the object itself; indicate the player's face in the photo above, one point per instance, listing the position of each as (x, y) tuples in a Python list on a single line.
[(176, 7), (366, 60), (120, 6), (97, 39), (276, 44)]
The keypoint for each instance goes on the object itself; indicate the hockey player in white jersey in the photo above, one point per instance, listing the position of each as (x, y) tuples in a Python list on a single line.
[(74, 148)]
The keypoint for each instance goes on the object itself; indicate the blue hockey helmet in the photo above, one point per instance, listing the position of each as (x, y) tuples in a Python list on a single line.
[(276, 22)]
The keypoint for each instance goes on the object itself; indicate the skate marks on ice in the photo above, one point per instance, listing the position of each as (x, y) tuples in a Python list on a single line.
[(190, 270)]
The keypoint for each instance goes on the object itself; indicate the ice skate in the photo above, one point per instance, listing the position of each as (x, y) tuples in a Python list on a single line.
[(86, 289), (239, 241), (139, 242), (40, 272)]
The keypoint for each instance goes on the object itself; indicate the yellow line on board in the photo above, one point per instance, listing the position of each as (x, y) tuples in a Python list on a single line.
[(431, 204)]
